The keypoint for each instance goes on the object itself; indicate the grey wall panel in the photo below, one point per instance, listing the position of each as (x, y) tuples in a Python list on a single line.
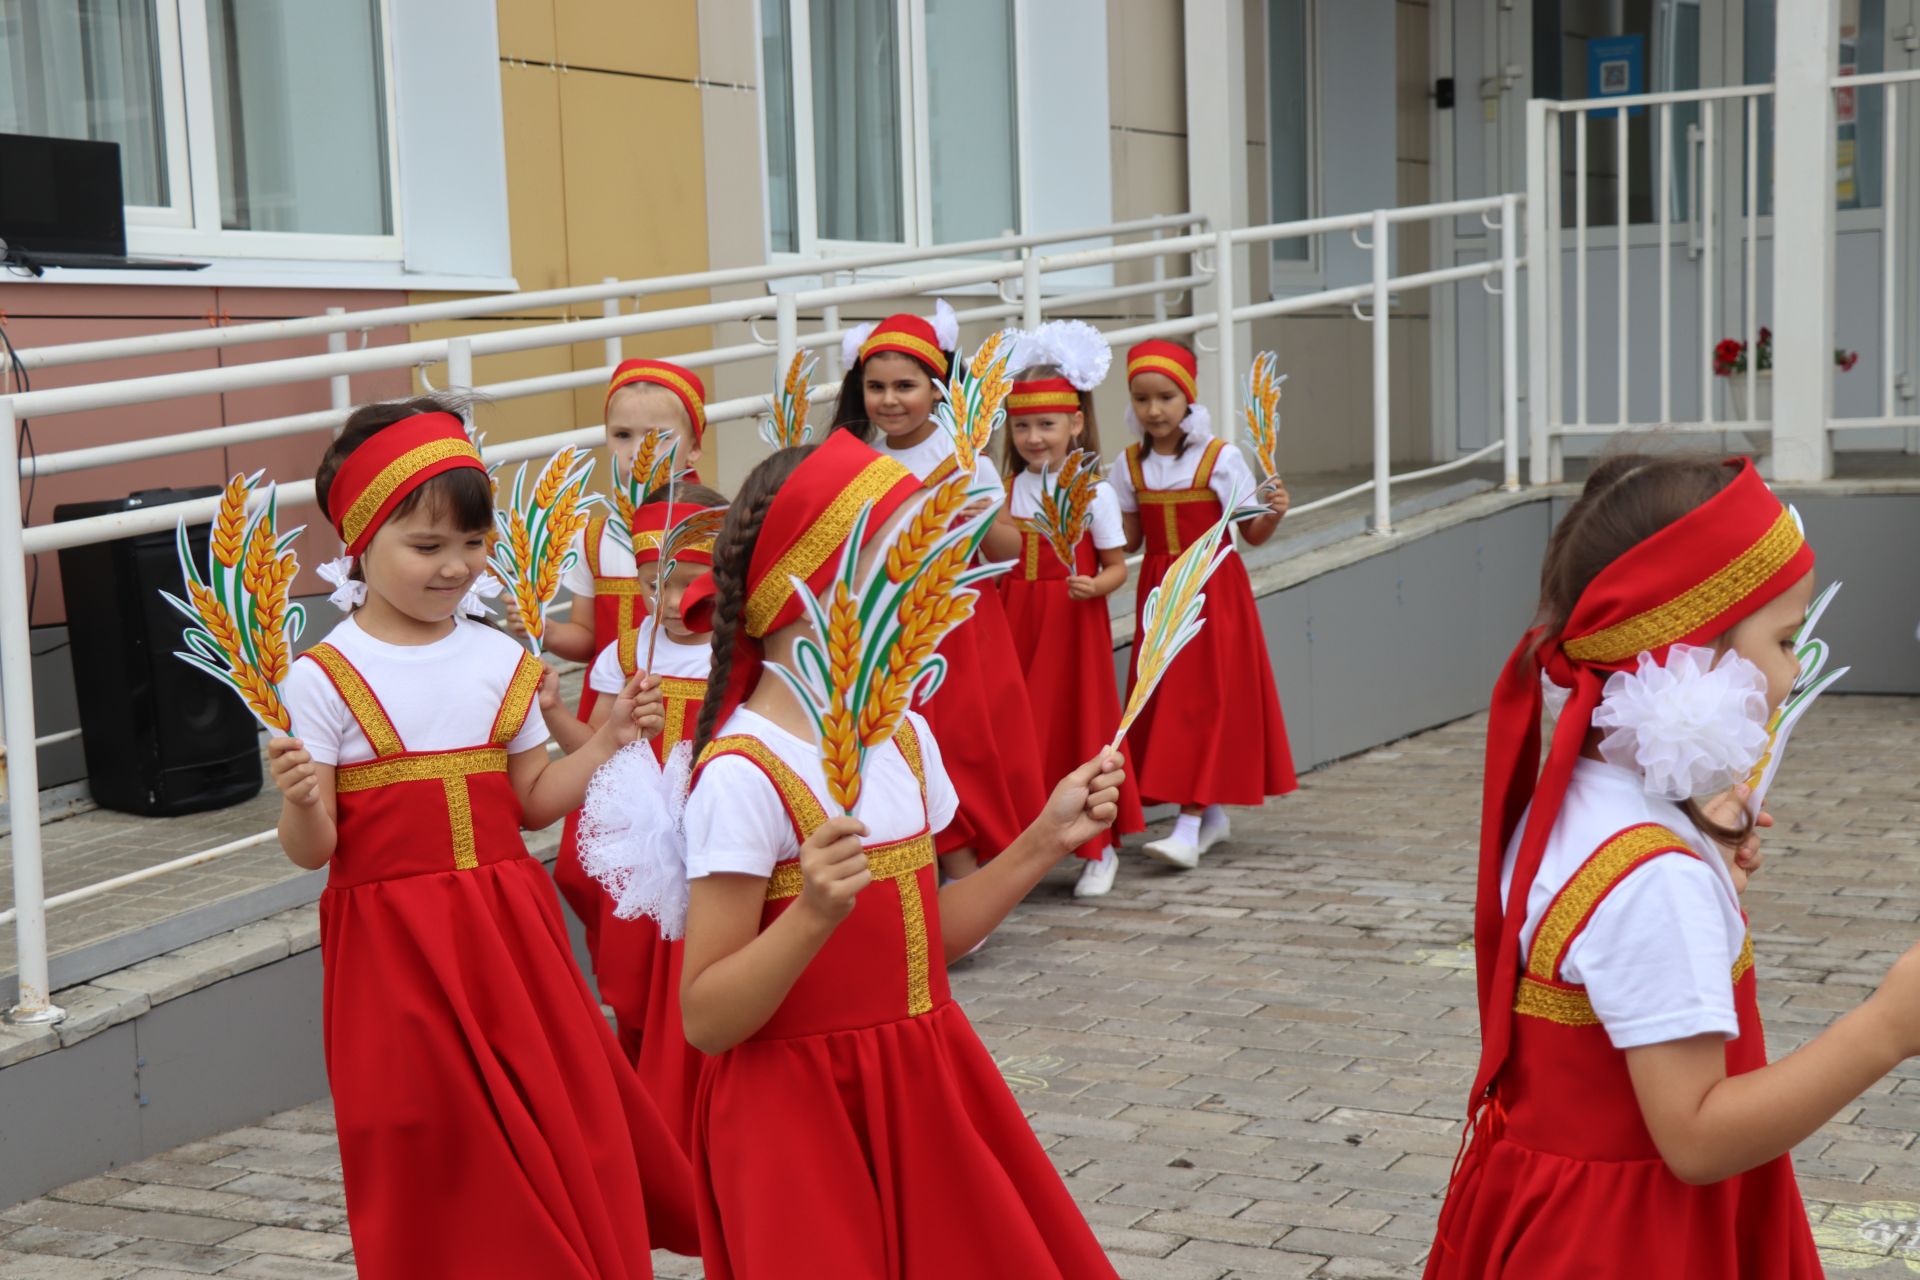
[(1356, 687), (1438, 597), (1509, 550), (232, 1053), (68, 1115), (1870, 542), (1285, 618)]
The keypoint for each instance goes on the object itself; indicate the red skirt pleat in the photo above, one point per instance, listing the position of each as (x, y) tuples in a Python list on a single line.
[(984, 727), (1536, 1215), (639, 975), (838, 1155), (582, 892), (488, 1124), (1212, 733), (1066, 653)]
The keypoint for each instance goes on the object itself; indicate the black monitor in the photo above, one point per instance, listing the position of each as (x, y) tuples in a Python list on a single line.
[(61, 196)]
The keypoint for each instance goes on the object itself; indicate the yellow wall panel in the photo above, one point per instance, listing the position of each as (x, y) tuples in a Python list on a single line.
[(526, 29), (635, 177), (536, 177), (640, 37), (518, 418)]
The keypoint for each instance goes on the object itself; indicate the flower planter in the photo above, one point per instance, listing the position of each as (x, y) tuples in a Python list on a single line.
[(1762, 397)]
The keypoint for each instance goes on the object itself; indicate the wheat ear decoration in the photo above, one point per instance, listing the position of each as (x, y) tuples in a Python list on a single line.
[(786, 423), (241, 627), (535, 529), (1263, 413)]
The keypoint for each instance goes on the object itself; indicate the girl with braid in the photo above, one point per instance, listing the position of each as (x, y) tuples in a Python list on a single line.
[(846, 1091)]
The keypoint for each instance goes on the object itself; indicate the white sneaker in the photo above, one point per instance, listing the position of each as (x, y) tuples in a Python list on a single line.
[(1173, 852), (1213, 831), (1096, 877)]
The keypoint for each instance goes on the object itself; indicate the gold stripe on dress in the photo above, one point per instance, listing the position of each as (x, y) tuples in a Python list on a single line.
[(354, 691), (438, 766), (1598, 874)]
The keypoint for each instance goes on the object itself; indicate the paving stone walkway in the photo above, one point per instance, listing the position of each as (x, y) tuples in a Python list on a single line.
[(1252, 1070)]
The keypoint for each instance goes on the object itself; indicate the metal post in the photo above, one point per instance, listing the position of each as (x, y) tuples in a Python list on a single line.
[(1382, 373), (459, 364), (829, 320), (610, 309), (16, 706), (1160, 273), (1510, 340), (1226, 421), (786, 331), (1806, 43), (1030, 291), (1538, 330), (340, 386)]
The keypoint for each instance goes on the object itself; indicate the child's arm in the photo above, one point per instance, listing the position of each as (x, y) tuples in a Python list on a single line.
[(1003, 537), (550, 789), (571, 639), (566, 728), (1260, 528), (1709, 1125), (1130, 521), (735, 974), (307, 801), (1113, 572), (1081, 807)]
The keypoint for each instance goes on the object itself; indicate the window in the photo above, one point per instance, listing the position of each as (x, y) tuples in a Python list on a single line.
[(1289, 127), (871, 140), (246, 127)]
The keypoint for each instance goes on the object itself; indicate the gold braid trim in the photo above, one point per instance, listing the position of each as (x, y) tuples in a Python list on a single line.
[(1596, 877), (1698, 605), (518, 700), (1567, 1006), (437, 766), (802, 804), (616, 586), (365, 708), (901, 858)]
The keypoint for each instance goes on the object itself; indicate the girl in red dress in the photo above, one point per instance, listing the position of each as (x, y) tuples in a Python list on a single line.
[(847, 1093), (638, 970), (1212, 735), (1057, 612), (488, 1123), (1625, 1120), (643, 396), (981, 709)]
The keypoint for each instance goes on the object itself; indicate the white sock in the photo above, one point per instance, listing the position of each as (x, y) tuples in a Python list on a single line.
[(1213, 815), (1186, 828)]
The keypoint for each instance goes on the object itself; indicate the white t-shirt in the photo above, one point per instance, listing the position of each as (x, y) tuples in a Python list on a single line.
[(922, 458), (1105, 524), (670, 658), (1232, 478), (442, 696), (736, 821), (616, 561), (1657, 955)]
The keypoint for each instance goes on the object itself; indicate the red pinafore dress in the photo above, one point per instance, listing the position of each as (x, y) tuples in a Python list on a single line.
[(488, 1124), (1066, 652), (638, 970), (1212, 733), (1566, 1182), (618, 608), (829, 1142), (985, 727)]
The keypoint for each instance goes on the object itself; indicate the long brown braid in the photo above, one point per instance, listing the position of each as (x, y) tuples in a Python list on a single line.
[(732, 554)]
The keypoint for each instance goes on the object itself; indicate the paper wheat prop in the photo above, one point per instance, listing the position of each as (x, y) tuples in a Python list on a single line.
[(974, 404), (701, 526), (786, 422), (244, 628), (534, 532), (1263, 413), (1066, 504), (1807, 686), (874, 641), (652, 468), (1171, 617)]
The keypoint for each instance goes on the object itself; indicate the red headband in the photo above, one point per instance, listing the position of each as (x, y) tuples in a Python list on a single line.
[(683, 383), (1687, 584), (910, 336), (806, 525), (394, 461), (650, 525), (1168, 358), (1043, 395)]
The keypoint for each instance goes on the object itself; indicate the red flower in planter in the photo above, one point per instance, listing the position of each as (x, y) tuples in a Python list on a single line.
[(1729, 356), (1846, 360)]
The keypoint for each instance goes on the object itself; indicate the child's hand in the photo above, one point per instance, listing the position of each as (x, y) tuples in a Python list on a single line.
[(972, 509), (293, 771), (640, 711), (1277, 499), (549, 689), (516, 625), (833, 869), (1744, 859), (1086, 801), (1080, 587)]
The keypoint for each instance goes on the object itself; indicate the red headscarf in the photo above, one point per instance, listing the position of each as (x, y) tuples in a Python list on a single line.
[(806, 525), (909, 335), (1042, 395), (392, 463), (650, 525), (684, 383), (1687, 584)]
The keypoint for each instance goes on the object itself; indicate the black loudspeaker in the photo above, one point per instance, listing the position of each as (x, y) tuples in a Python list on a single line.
[(160, 737)]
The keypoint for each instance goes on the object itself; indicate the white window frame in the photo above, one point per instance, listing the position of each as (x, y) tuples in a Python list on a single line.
[(1287, 275), (915, 146), (189, 225)]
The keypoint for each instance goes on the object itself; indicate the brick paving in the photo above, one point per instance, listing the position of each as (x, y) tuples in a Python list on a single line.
[(1251, 1070)]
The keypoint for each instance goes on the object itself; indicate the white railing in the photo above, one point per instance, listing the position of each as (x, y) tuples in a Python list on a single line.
[(1214, 257), (1722, 256)]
